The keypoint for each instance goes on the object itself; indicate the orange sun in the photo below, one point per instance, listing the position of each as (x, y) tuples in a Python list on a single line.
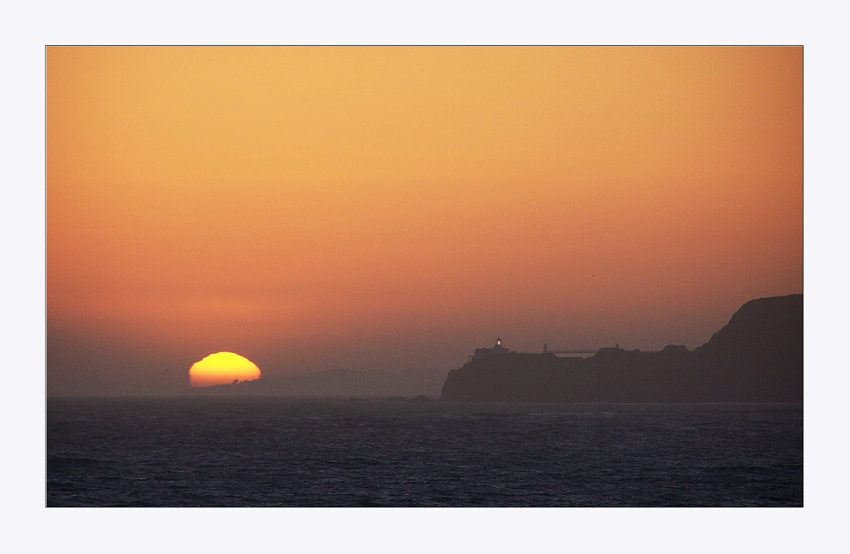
[(222, 368)]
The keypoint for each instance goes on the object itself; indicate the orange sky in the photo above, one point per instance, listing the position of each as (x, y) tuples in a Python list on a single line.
[(388, 208)]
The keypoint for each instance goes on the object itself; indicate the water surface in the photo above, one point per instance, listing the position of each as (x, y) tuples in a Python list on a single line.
[(290, 452)]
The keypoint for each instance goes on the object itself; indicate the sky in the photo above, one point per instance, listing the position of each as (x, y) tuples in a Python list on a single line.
[(395, 208)]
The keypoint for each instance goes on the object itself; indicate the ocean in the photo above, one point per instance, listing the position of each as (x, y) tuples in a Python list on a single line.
[(211, 451)]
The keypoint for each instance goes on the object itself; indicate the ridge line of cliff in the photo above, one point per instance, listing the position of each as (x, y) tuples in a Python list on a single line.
[(756, 357)]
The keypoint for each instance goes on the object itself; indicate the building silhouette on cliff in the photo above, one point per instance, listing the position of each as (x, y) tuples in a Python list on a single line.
[(497, 350)]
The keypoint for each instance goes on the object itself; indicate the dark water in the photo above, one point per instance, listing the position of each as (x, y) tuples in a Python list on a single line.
[(283, 452)]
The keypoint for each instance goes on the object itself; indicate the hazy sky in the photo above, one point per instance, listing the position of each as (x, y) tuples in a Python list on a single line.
[(394, 208)]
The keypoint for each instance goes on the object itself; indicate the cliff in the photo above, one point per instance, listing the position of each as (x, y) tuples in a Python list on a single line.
[(756, 357)]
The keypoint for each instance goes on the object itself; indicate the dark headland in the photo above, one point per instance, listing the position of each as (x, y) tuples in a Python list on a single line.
[(756, 357)]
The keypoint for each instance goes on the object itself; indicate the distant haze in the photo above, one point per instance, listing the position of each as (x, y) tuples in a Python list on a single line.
[(391, 209)]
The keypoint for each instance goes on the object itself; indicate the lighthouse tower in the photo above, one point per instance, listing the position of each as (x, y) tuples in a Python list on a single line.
[(498, 348)]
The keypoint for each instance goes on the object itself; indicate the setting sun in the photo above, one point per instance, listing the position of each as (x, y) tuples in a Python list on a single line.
[(222, 368)]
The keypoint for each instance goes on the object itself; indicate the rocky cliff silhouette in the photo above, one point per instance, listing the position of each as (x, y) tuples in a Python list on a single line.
[(756, 357)]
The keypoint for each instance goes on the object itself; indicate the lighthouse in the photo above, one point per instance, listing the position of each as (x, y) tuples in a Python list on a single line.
[(497, 349)]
